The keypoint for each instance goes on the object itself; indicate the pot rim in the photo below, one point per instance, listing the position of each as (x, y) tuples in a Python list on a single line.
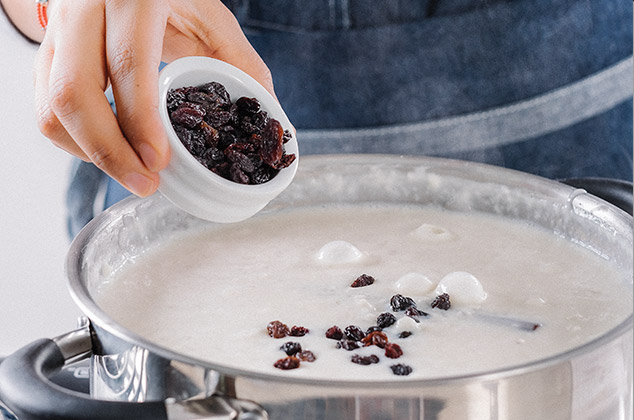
[(87, 305)]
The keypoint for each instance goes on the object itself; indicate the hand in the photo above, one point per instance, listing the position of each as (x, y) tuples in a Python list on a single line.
[(91, 43)]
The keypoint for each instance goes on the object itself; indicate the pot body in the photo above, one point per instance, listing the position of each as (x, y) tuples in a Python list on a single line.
[(590, 382)]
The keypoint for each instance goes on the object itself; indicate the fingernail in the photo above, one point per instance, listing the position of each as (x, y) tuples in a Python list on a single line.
[(139, 184), (150, 157)]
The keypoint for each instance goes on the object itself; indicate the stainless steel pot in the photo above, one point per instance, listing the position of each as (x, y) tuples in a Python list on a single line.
[(134, 378)]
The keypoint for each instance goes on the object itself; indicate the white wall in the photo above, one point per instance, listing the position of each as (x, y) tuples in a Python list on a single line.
[(34, 302)]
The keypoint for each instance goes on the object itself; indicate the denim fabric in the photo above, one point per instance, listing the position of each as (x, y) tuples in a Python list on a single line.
[(487, 129), (429, 67), (86, 180), (338, 66), (581, 150), (366, 65)]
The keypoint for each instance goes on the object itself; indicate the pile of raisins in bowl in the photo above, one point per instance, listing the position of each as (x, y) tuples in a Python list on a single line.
[(238, 141)]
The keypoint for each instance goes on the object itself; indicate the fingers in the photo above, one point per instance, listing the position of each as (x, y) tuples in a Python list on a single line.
[(90, 43), (75, 95), (48, 122), (134, 34), (212, 23)]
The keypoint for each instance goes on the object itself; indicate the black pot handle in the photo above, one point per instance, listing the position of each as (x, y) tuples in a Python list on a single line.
[(26, 389)]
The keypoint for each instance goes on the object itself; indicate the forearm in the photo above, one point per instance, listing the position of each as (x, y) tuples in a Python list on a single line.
[(23, 15)]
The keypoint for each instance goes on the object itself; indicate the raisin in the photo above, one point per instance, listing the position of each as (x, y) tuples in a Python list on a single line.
[(222, 169), (248, 127), (372, 329), (298, 331), (376, 338), (364, 360), (277, 329), (261, 175), (306, 356), (213, 156), (414, 313), (284, 162), (248, 105), (400, 302), (259, 120), (362, 281), (385, 319), (255, 160), (271, 145), (209, 134), (217, 92), (175, 97), (334, 333), (226, 139), (183, 134), (241, 160), (287, 136), (404, 334), (241, 147), (194, 145), (347, 345), (287, 363), (203, 99), (291, 348), (234, 121), (393, 350), (238, 175), (401, 369), (354, 333), (217, 117), (188, 115), (441, 302)]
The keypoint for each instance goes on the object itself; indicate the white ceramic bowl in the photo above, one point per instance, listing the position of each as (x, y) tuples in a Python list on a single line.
[(190, 185)]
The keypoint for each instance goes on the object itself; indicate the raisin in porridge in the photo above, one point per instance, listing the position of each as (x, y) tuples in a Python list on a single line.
[(369, 292)]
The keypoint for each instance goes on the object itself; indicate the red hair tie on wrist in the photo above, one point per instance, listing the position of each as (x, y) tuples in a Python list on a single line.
[(42, 18)]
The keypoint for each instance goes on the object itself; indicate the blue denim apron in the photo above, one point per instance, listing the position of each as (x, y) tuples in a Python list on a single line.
[(542, 87)]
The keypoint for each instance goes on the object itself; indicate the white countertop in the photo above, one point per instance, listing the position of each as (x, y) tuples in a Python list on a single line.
[(34, 301)]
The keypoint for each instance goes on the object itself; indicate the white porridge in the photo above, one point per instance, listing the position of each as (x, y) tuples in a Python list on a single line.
[(517, 293)]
